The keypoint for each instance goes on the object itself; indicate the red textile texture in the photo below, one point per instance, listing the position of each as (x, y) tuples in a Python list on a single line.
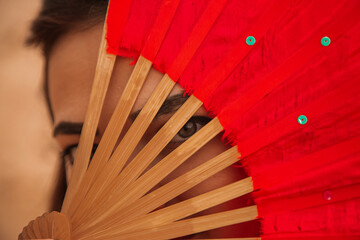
[(307, 176)]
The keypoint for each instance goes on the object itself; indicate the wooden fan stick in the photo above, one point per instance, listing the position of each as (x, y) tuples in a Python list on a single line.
[(143, 158), (170, 190), (114, 128), (108, 171), (190, 226), (162, 23), (157, 173), (138, 128), (121, 197), (36, 228), (102, 77), (44, 225), (195, 39), (30, 231), (198, 34), (52, 225), (186, 208), (47, 225), (24, 235), (153, 105), (176, 187)]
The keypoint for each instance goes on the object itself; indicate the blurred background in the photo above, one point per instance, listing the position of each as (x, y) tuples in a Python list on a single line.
[(28, 154)]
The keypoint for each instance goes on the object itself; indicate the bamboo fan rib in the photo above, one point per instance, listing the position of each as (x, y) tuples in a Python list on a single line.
[(191, 226), (149, 180), (145, 156), (122, 184), (174, 188), (123, 151), (114, 128), (139, 75), (199, 32), (102, 77), (185, 208), (49, 226)]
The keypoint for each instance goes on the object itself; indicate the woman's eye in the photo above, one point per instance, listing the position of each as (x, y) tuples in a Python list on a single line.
[(190, 128), (68, 155)]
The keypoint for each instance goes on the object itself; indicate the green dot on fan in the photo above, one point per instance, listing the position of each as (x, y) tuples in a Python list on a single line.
[(250, 40), (325, 41), (302, 119)]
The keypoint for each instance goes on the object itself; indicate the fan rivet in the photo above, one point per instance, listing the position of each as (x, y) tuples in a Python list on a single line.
[(250, 40), (302, 119), (325, 41), (327, 195)]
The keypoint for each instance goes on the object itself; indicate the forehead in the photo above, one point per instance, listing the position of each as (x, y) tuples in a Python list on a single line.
[(71, 71), (71, 67)]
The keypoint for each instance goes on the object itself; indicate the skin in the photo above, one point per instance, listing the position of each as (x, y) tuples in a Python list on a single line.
[(71, 70)]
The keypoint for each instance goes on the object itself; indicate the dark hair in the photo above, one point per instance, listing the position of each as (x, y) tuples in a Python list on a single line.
[(56, 18)]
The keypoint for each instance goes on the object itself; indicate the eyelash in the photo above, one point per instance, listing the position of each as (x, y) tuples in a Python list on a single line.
[(197, 121), (69, 153)]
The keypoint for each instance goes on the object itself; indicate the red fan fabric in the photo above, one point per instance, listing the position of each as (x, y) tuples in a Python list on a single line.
[(307, 176)]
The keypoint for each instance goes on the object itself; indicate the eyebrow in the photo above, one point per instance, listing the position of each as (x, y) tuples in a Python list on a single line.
[(69, 128), (171, 104)]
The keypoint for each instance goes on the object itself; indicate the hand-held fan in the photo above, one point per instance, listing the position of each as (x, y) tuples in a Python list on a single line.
[(279, 79)]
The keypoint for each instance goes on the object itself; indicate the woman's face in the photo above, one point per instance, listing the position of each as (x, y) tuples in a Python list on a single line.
[(71, 71)]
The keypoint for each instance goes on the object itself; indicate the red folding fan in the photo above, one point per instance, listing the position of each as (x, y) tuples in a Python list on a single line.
[(279, 78)]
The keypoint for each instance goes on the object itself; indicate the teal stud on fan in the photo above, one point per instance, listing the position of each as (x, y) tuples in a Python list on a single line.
[(250, 40), (325, 41), (302, 119)]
